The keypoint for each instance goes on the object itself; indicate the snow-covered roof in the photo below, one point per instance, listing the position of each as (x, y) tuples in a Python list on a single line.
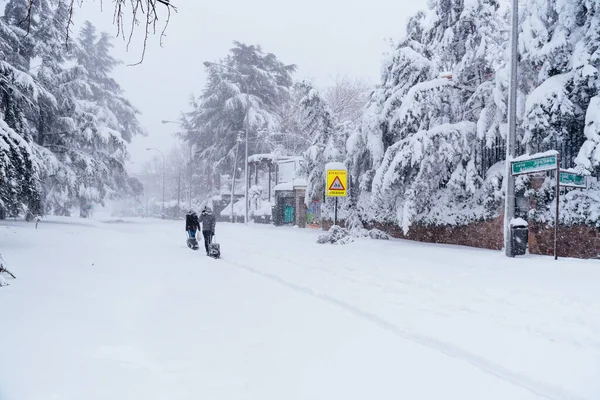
[(526, 157), (334, 165), (289, 158), (261, 157), (300, 182), (578, 171), (272, 158), (518, 222), (284, 186)]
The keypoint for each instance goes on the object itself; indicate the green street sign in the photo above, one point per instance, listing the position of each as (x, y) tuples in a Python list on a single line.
[(571, 179), (532, 165)]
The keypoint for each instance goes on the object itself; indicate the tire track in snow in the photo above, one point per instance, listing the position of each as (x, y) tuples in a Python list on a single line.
[(541, 389)]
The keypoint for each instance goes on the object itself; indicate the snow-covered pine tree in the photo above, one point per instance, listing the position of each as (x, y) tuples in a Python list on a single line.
[(433, 124), (94, 124), (51, 50), (51, 53), (248, 82), (560, 59), (560, 77), (328, 139), (404, 67), (291, 139), (20, 95), (19, 183)]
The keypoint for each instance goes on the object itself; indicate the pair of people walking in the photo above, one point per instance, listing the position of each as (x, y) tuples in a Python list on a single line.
[(208, 222)]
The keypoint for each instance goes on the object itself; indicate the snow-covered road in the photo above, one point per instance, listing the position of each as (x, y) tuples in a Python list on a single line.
[(123, 310)]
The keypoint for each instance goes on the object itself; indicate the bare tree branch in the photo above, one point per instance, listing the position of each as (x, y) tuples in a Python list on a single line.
[(146, 7), (347, 97)]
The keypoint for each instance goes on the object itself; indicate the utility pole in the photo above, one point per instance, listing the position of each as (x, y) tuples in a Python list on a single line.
[(163, 179), (246, 177), (237, 149), (178, 194), (191, 175), (509, 206)]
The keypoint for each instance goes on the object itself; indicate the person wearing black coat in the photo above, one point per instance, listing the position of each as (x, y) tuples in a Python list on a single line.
[(192, 224), (208, 226)]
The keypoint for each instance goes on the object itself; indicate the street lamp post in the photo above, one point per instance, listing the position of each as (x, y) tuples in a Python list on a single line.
[(209, 64), (190, 171), (190, 174), (509, 205), (163, 179)]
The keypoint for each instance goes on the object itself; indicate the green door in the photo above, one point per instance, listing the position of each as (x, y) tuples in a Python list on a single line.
[(288, 214)]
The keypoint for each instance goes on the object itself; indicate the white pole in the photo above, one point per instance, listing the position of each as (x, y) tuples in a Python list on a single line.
[(246, 159), (190, 177), (509, 206), (163, 187), (163, 178)]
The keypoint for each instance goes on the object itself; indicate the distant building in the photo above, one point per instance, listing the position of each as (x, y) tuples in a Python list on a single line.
[(275, 193)]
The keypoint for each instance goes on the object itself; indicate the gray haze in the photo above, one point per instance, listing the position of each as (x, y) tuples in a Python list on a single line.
[(324, 38)]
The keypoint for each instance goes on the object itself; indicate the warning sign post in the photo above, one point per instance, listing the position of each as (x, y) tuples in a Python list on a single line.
[(336, 183)]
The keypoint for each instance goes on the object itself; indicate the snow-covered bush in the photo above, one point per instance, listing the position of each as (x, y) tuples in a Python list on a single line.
[(339, 235), (577, 206), (336, 235), (4, 272), (414, 169), (378, 235)]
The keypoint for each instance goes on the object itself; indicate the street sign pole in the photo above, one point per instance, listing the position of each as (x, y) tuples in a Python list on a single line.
[(557, 204), (548, 161), (336, 212), (336, 184)]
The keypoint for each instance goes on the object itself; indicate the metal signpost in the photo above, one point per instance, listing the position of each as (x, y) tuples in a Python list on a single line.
[(540, 163), (548, 162), (337, 185)]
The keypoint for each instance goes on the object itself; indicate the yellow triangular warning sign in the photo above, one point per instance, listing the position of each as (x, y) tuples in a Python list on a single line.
[(337, 184)]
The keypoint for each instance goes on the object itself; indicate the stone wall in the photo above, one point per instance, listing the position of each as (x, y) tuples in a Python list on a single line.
[(573, 241), (485, 234)]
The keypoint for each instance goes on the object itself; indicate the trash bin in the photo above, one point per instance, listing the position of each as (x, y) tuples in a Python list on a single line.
[(519, 235)]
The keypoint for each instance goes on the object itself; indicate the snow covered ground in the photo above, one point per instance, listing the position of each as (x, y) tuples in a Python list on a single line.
[(123, 310)]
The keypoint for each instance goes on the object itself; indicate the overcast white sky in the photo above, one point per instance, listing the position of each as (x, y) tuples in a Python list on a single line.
[(324, 38)]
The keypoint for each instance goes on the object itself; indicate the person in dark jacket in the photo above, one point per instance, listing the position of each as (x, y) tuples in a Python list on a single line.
[(208, 226), (192, 224)]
